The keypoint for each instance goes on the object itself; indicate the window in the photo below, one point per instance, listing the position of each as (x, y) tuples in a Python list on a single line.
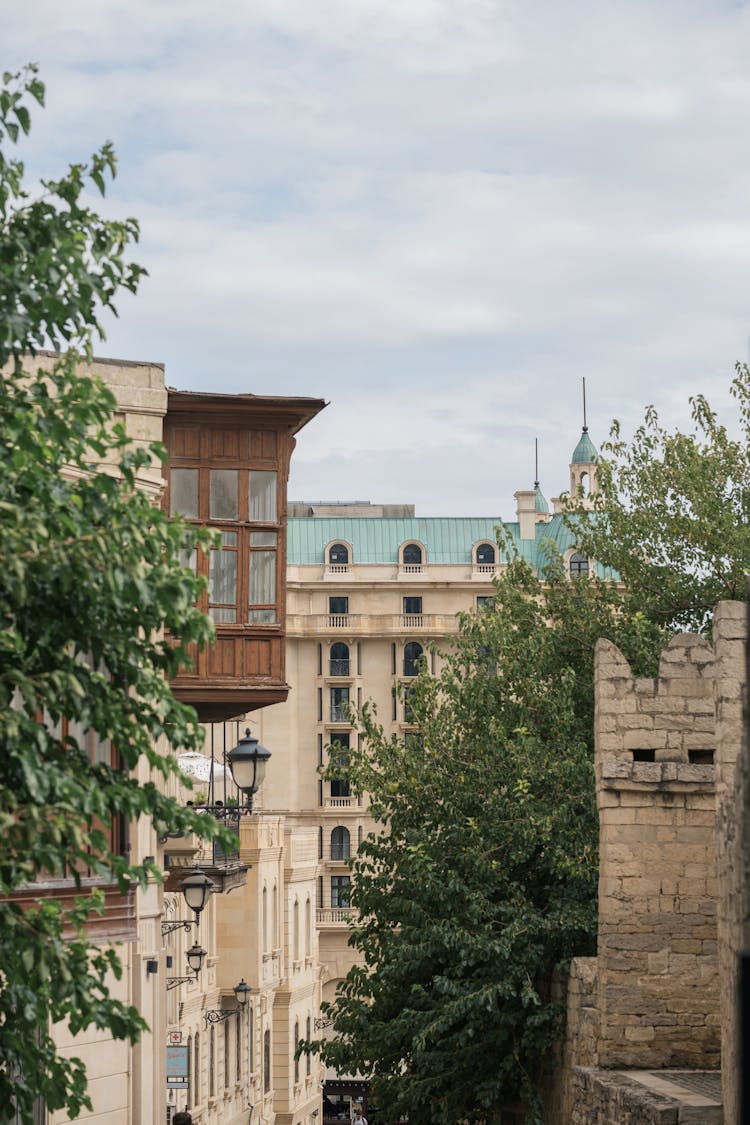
[(250, 1042), (412, 606), (485, 601), (486, 554), (338, 605), (408, 710), (266, 1062), (275, 919), (412, 555), (296, 1057), (338, 554), (266, 931), (295, 931), (308, 930), (238, 1047), (242, 571), (340, 891), (412, 654), (339, 659), (340, 787), (579, 564), (211, 1063), (227, 1067), (197, 1069), (340, 843), (309, 1059), (339, 704)]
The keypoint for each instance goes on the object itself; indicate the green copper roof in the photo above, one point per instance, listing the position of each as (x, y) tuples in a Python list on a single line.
[(584, 453), (446, 540), (540, 504)]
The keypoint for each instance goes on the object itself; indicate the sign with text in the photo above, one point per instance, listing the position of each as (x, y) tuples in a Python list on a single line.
[(177, 1068)]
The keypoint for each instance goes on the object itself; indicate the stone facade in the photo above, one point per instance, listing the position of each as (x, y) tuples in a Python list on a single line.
[(673, 904)]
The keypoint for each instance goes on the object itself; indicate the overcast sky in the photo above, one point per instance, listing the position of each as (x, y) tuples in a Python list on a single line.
[(438, 215)]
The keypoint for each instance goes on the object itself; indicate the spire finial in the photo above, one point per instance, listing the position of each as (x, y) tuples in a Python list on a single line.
[(585, 427), (536, 462)]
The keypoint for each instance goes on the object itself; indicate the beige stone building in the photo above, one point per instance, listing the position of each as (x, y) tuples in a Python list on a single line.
[(370, 587), (228, 467)]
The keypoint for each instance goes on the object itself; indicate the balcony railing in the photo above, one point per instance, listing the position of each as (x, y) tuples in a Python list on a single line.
[(341, 802), (336, 916), (338, 620), (211, 851), (339, 667), (372, 624)]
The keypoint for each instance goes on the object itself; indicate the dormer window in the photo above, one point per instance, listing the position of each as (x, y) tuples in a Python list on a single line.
[(579, 565), (486, 554), (338, 554), (412, 555)]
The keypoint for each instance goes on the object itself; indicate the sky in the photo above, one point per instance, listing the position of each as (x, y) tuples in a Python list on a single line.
[(440, 216)]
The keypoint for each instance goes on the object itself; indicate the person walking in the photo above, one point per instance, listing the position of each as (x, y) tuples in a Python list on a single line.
[(359, 1118)]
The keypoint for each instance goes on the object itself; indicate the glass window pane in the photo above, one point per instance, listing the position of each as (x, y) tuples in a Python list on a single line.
[(183, 493), (229, 538), (263, 538), (262, 577), (189, 559), (222, 578), (262, 496), (262, 616), (224, 501), (222, 614)]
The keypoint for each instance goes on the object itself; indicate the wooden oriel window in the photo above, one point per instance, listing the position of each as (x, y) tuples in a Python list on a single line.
[(243, 570)]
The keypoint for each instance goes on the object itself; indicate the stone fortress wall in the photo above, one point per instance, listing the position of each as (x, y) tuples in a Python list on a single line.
[(673, 911)]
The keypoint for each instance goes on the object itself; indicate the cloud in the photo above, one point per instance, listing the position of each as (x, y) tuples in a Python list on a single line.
[(437, 214)]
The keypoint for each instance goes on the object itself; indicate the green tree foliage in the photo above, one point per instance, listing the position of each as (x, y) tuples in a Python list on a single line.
[(674, 512), (90, 580), (481, 880)]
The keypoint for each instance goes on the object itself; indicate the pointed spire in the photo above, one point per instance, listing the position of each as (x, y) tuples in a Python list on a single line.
[(585, 452), (540, 504)]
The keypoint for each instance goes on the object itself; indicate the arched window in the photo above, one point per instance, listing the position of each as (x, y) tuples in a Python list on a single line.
[(266, 1062), (340, 843), (189, 1061), (295, 930), (412, 653), (339, 659), (308, 929), (211, 1063), (197, 1068), (275, 919), (486, 554), (579, 564), (266, 942), (412, 555), (338, 554), (296, 1057), (309, 1059)]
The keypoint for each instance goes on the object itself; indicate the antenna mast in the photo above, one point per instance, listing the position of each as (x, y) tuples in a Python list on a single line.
[(536, 462), (585, 427)]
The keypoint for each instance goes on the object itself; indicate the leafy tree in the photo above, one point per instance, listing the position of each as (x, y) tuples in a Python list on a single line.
[(481, 879), (673, 512), (90, 581)]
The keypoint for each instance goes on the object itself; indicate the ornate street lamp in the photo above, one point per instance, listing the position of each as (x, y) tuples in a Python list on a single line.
[(195, 890), (196, 955), (247, 761), (218, 1015)]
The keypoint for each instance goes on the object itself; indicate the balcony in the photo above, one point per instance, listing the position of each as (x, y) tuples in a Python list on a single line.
[(372, 624), (188, 855), (338, 916), (341, 803), (339, 668)]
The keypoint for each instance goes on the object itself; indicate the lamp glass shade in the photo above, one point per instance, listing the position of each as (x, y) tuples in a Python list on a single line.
[(241, 992), (247, 761), (196, 889), (195, 956)]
